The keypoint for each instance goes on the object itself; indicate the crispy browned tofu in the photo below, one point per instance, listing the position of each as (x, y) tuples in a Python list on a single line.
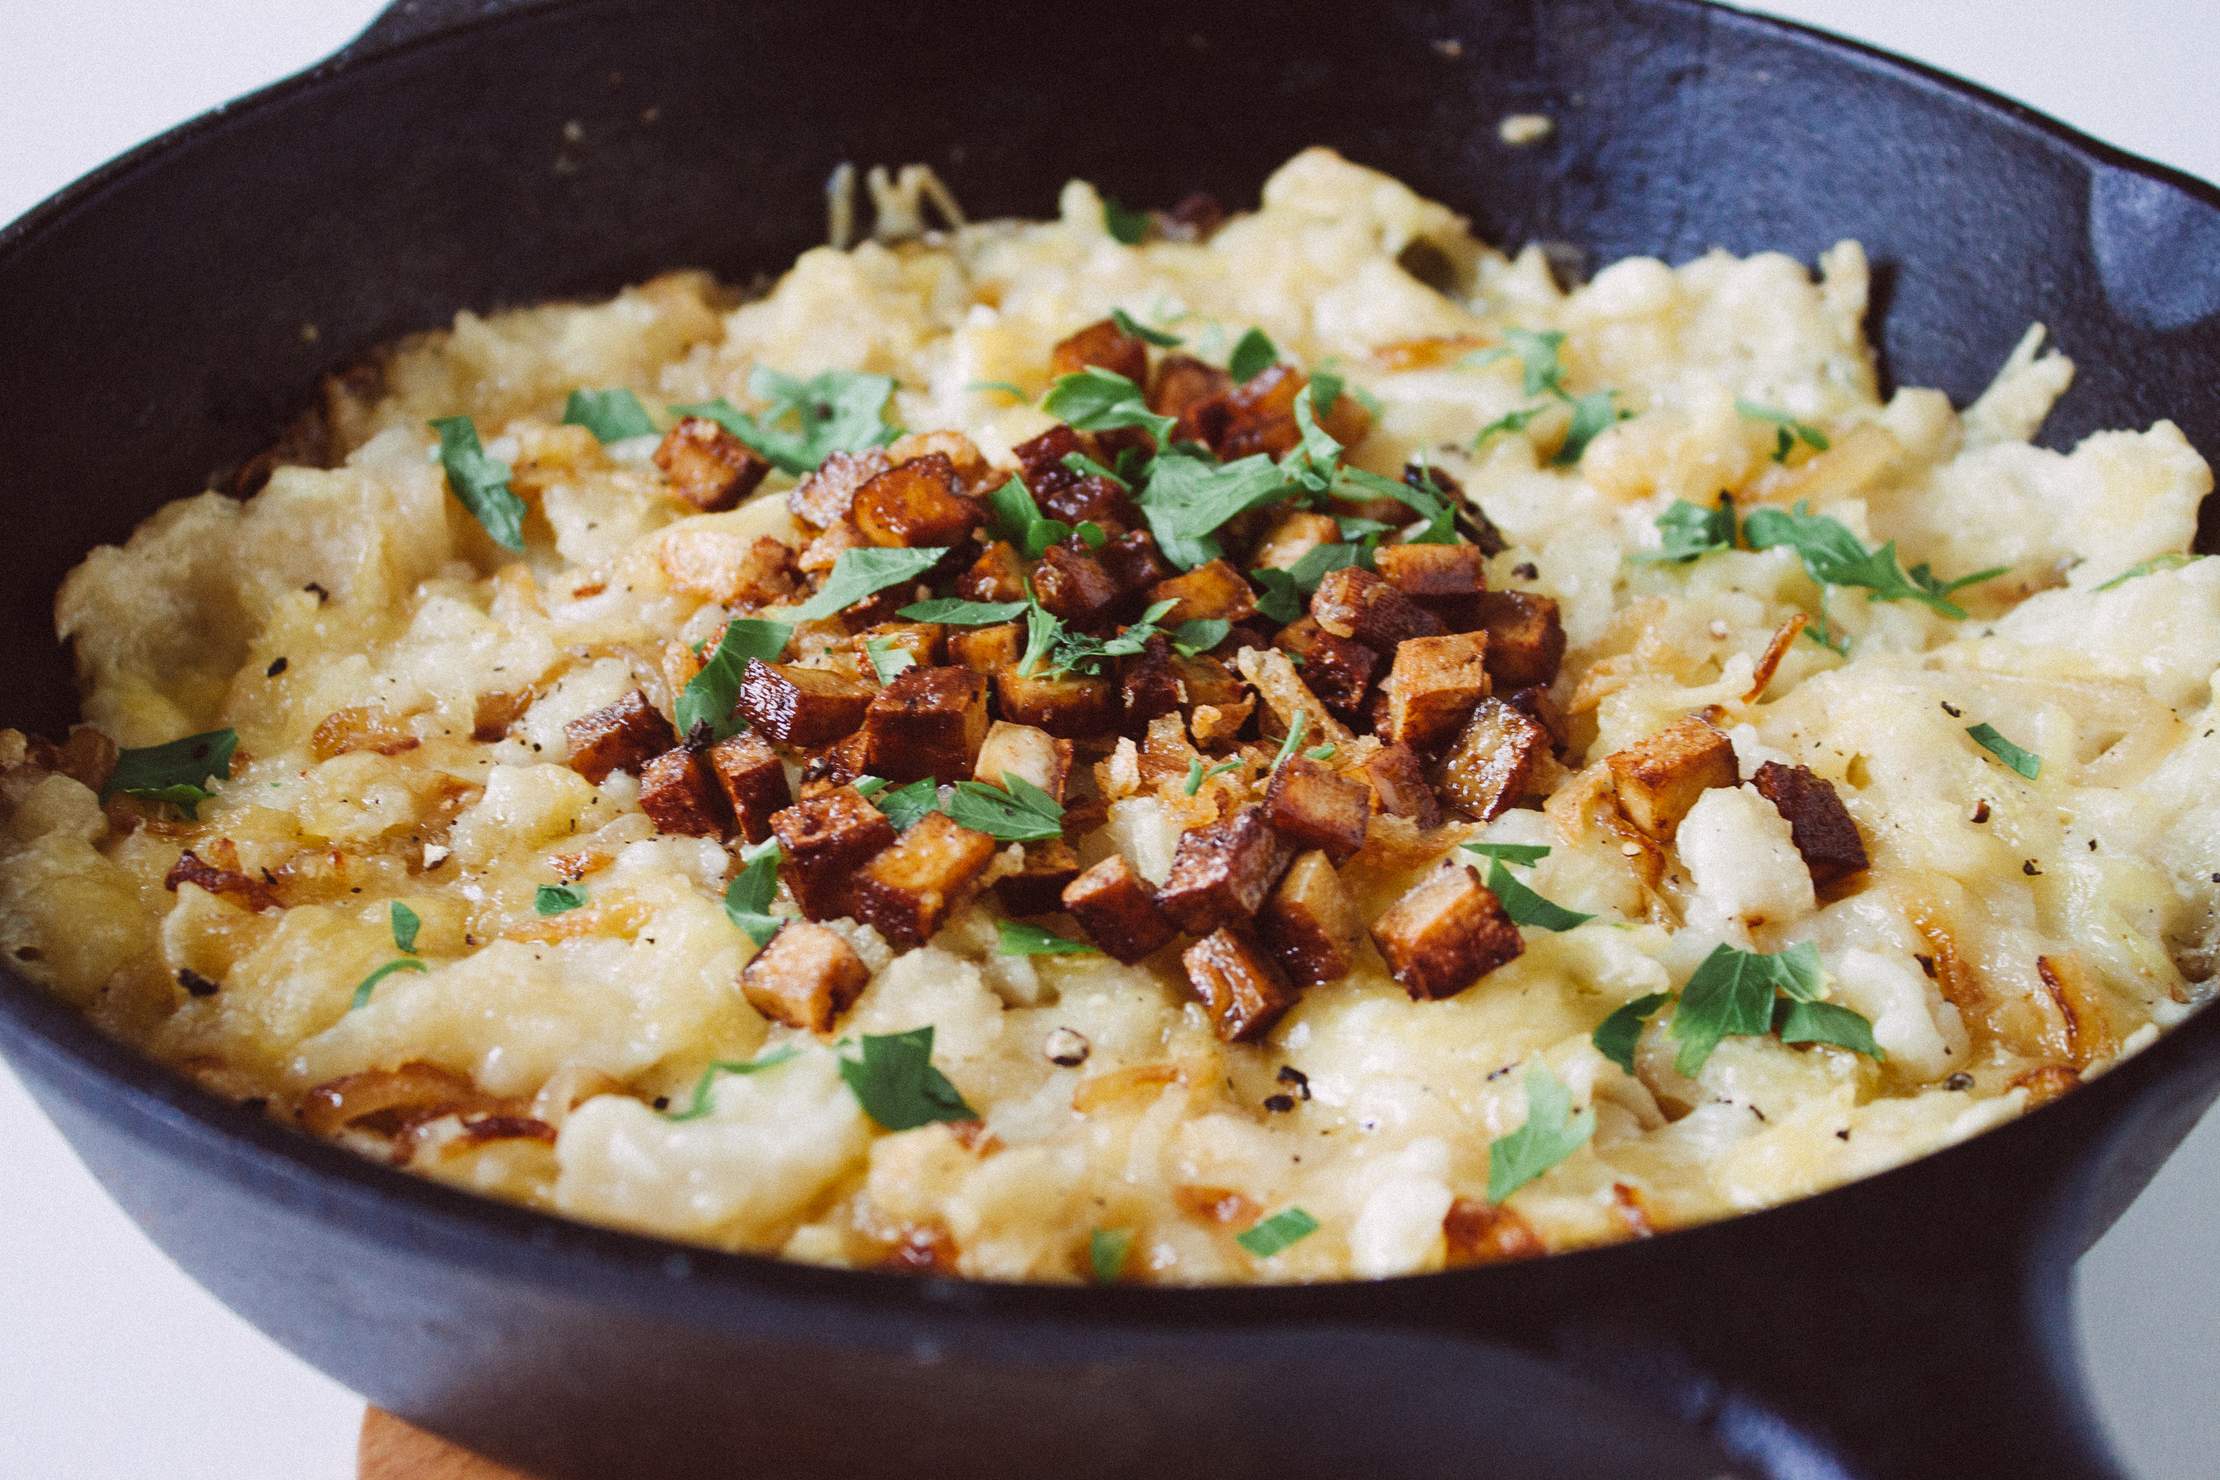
[(1356, 603), (1223, 871), (986, 649), (1310, 922), (916, 504), (623, 736), (1294, 535), (1526, 639), (708, 466), (1337, 669), (805, 978), (1238, 983), (1257, 415), (1445, 934), (801, 706), (679, 796), (1066, 493), (908, 890), (1659, 779), (827, 840), (1478, 1232), (1074, 586), (1072, 705), (1397, 776), (835, 766), (973, 473), (1027, 752), (752, 779), (1134, 561), (927, 722), (1038, 889), (225, 883), (1536, 704), (1432, 687), (1148, 686), (997, 575), (824, 497), (1117, 909), (1104, 345), (1817, 821), (725, 566), (921, 640), (822, 553), (1432, 573), (1313, 807), (1182, 384), (1214, 591), (1495, 762)]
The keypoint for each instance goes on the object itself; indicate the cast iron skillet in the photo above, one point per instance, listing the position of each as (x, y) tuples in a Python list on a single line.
[(151, 330)]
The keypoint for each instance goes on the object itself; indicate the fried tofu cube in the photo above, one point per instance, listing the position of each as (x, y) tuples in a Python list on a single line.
[(1445, 934), (835, 766), (623, 736), (1257, 415), (986, 649), (824, 497), (1238, 983), (1495, 762), (1071, 705), (915, 504), (1432, 686), (707, 466), (753, 781), (1223, 871), (997, 575), (1526, 638), (1182, 384), (1659, 779), (1818, 823), (801, 706), (1148, 687), (822, 553), (1214, 591), (1432, 573), (1027, 752), (1536, 704), (724, 566), (973, 473), (908, 890), (1310, 922), (805, 978), (1074, 587), (921, 640), (1105, 346), (1397, 777), (1313, 807), (1038, 889), (1295, 535), (1358, 604), (827, 840), (1134, 561), (1337, 669), (1117, 909), (677, 793), (1066, 493), (927, 722)]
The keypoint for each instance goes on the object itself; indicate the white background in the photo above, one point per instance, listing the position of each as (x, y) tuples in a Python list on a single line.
[(114, 1367)]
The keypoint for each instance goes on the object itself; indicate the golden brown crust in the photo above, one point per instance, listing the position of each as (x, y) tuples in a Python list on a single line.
[(1038, 887), (224, 883), (1313, 807), (1337, 669), (623, 736), (908, 889), (915, 504), (801, 706), (1116, 908), (1213, 591), (1072, 705), (1432, 687), (1475, 1232), (1446, 934), (1238, 983), (1074, 587), (753, 781), (678, 794), (1659, 778), (805, 978), (708, 467), (1396, 775), (827, 840), (824, 497), (1526, 637), (1495, 762), (1310, 923), (1818, 823), (1105, 345), (1357, 604), (1223, 871), (927, 722)]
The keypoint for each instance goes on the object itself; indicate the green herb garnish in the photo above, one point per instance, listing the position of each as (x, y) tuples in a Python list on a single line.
[(1540, 356), (886, 658), (557, 899), (1107, 1249), (1616, 1036), (1196, 775), (2026, 762), (1015, 812), (863, 573), (370, 982), (1126, 224), (1253, 354), (1200, 635), (699, 1102), (963, 613), (1129, 325), (1551, 1133), (1824, 1022), (1525, 907), (1592, 414), (709, 696), (1689, 530), (1510, 852), (748, 897), (1787, 429), (480, 482), (1506, 424), (897, 1085), (405, 923), (611, 415), (806, 421), (1189, 498), (905, 806), (2150, 567), (1099, 400), (174, 772), (1014, 515), (1833, 556), (1283, 1229), (1020, 939)]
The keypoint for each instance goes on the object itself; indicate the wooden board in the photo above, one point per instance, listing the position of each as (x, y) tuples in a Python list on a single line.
[(393, 1450)]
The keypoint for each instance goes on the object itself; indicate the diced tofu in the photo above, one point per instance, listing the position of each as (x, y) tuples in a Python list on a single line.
[(1313, 807), (825, 496), (1026, 752), (1356, 603), (915, 504), (1223, 871), (1238, 982), (1257, 415), (921, 640), (986, 649), (1526, 639), (707, 466), (677, 793), (1432, 687), (805, 978), (752, 779), (801, 706), (1116, 908), (1064, 493), (1214, 591), (927, 722), (1105, 345), (997, 575), (1659, 779), (827, 840), (1182, 384), (972, 470), (1445, 934), (1134, 562), (1295, 535), (1310, 922), (1429, 573), (1148, 687), (1072, 705), (835, 766), (1337, 669), (908, 890), (623, 736), (822, 553), (1074, 587), (1038, 888), (1397, 777), (723, 566), (1494, 763), (1817, 821)]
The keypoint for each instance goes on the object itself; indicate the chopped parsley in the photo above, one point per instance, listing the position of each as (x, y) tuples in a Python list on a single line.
[(748, 897), (1510, 852), (709, 696), (2026, 762), (1004, 387), (1823, 1022), (1014, 515), (480, 482), (698, 1103), (1506, 424), (1020, 939), (895, 1081), (1087, 467), (1081, 652), (2150, 567), (1552, 1132), (1788, 431), (1253, 354), (1616, 1036), (1541, 361), (1199, 636), (1689, 530), (1540, 356), (405, 923), (806, 421), (866, 572), (1189, 498), (1293, 741), (886, 658), (957, 613), (1525, 907), (1016, 811), (1196, 775), (611, 415), (1833, 556), (176, 772), (1281, 1231), (1737, 993), (1592, 415), (905, 806), (1107, 1249), (1099, 400), (557, 899), (1125, 224), (370, 982), (1129, 325)]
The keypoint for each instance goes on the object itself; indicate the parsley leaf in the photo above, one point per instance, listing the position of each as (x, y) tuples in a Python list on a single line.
[(861, 573), (1789, 430), (1099, 400), (1082, 652), (1107, 1249), (1014, 515), (709, 696), (806, 421), (1042, 629), (1124, 223), (886, 659), (1616, 1036), (174, 772), (905, 806), (1690, 530), (1284, 1229), (748, 897), (1016, 812), (1551, 1133), (405, 922), (1020, 939), (1510, 852), (557, 899), (700, 1106), (1525, 907), (1539, 355), (1014, 392), (1189, 498), (1087, 467), (2150, 567), (1833, 556), (1592, 414), (1731, 994), (2026, 762), (897, 1085), (1506, 424), (370, 982), (1196, 775), (1253, 354), (1129, 325), (611, 415), (957, 613), (1824, 1022), (1292, 741), (1200, 635), (480, 482), (1282, 600)]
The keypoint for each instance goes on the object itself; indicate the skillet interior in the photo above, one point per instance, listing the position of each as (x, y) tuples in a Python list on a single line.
[(377, 197)]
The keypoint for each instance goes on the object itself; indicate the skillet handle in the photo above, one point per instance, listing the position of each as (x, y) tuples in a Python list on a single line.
[(404, 21)]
